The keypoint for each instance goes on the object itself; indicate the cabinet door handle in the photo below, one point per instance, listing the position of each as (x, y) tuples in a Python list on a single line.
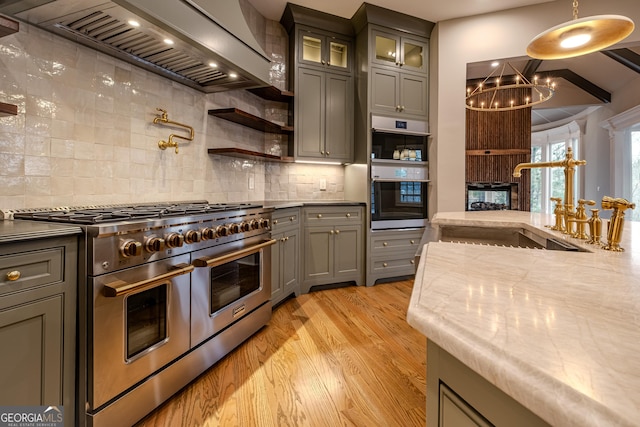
[(337, 231), (328, 153), (412, 261), (282, 239), (331, 232), (348, 215), (14, 275), (385, 244), (402, 108), (384, 264), (412, 241), (275, 221), (322, 152), (319, 215), (323, 62)]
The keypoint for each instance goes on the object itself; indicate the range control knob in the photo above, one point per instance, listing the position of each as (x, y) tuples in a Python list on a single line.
[(192, 236), (254, 224), (264, 223), (208, 233), (234, 228), (174, 240), (222, 230), (154, 244), (131, 248), (245, 226)]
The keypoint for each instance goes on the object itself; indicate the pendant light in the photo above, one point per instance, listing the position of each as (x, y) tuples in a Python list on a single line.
[(580, 36)]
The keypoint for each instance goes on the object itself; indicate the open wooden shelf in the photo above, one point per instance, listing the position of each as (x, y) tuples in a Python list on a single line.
[(272, 93), (249, 120), (8, 109), (248, 154)]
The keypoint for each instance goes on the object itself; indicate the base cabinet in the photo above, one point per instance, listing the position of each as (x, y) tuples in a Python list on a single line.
[(392, 253), (459, 397), (333, 246), (38, 323), (285, 258)]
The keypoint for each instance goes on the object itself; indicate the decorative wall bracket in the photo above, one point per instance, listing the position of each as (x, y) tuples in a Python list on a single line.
[(163, 118)]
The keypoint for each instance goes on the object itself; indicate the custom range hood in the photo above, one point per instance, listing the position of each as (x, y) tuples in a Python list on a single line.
[(213, 48)]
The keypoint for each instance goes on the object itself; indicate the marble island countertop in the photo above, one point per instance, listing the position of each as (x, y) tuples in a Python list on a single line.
[(557, 331)]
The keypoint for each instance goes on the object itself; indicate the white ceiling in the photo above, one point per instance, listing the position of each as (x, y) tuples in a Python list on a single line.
[(431, 10)]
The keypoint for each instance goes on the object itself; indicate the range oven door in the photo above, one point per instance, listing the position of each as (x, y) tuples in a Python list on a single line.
[(229, 282), (140, 323)]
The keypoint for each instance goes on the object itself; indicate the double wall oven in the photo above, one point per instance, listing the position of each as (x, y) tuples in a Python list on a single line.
[(399, 173), (167, 291)]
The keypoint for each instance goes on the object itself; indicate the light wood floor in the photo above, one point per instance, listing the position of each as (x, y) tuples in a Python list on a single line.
[(336, 357)]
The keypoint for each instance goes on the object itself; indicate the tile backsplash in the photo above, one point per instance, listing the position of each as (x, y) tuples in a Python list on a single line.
[(84, 132)]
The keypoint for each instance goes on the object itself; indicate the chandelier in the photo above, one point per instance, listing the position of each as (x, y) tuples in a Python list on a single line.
[(498, 94), (580, 36)]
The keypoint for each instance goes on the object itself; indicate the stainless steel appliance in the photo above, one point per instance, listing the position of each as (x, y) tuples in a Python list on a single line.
[(399, 173), (167, 291)]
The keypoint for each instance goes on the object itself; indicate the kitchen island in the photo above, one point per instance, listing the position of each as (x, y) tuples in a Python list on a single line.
[(557, 333)]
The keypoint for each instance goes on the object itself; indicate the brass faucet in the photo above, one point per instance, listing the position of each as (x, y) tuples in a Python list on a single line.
[(614, 229), (164, 118), (569, 164)]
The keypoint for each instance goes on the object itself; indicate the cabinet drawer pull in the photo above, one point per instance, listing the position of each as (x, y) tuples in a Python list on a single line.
[(384, 264), (14, 275), (412, 242), (413, 261), (348, 215), (275, 222), (319, 215), (385, 244), (291, 218)]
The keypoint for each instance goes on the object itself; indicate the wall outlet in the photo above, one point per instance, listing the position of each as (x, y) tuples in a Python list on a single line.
[(252, 181), (323, 184)]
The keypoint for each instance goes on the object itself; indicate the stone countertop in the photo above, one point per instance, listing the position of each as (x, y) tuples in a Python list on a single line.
[(284, 204), (557, 331), (14, 231)]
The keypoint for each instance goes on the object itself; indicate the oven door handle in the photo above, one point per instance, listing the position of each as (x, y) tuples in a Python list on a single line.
[(231, 256), (120, 287)]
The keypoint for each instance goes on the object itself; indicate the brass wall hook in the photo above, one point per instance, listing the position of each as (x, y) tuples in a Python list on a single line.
[(163, 118)]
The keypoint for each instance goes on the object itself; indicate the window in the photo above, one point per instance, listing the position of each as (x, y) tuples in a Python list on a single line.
[(551, 146), (624, 131)]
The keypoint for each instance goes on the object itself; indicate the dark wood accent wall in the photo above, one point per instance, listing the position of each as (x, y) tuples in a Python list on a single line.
[(496, 141)]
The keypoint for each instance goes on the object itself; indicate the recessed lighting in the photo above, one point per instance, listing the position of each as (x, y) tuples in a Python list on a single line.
[(168, 41), (233, 75), (495, 64), (133, 23), (213, 65)]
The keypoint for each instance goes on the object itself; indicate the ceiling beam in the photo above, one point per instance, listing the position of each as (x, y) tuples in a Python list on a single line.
[(626, 57)]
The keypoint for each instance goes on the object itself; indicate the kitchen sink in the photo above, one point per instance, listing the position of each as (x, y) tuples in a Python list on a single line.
[(503, 236)]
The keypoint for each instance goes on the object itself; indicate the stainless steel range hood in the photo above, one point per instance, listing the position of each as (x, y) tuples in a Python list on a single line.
[(203, 31)]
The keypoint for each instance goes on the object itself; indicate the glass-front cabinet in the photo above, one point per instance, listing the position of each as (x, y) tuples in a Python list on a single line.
[(399, 51), (323, 50)]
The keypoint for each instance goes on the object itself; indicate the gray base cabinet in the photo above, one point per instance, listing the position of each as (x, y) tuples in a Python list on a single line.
[(333, 246), (37, 323), (392, 253), (459, 397), (285, 258)]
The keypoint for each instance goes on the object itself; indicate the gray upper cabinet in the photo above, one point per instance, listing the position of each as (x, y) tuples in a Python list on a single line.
[(399, 51), (398, 93), (321, 55), (322, 110), (323, 50)]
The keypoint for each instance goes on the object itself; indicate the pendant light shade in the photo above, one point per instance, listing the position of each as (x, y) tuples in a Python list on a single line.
[(580, 36)]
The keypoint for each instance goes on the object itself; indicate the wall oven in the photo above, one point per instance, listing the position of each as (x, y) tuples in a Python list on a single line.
[(399, 173)]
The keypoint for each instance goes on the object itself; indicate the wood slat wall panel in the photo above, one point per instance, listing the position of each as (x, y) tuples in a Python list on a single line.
[(500, 132)]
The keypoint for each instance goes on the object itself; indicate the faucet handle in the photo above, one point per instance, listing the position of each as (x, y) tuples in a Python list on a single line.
[(583, 202), (556, 199)]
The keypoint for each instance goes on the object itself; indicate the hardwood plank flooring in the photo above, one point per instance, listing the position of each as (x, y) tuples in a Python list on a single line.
[(335, 357)]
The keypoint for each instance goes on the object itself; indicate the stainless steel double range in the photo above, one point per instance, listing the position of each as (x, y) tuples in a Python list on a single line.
[(170, 289)]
